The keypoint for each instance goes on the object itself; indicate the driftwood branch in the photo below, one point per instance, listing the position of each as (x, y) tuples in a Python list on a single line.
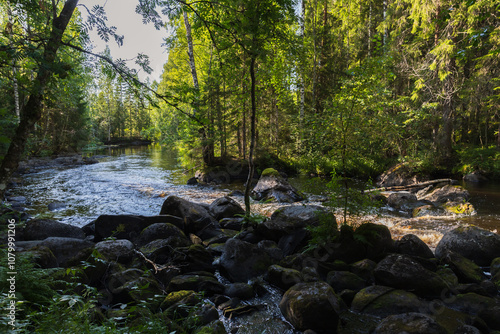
[(156, 267), (412, 186)]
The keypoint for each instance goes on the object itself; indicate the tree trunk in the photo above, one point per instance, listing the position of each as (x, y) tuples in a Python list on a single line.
[(32, 111), (207, 148), (302, 80), (251, 167)]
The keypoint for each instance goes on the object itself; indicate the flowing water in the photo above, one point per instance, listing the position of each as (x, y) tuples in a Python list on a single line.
[(136, 180)]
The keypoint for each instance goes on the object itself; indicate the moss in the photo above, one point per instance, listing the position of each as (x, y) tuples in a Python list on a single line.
[(460, 208), (175, 297), (270, 172)]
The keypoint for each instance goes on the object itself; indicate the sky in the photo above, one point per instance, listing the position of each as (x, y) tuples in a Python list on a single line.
[(139, 38)]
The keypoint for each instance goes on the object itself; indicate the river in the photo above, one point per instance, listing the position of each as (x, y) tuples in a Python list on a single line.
[(136, 180)]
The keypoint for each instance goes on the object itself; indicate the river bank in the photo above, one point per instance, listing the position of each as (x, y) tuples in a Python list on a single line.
[(199, 270)]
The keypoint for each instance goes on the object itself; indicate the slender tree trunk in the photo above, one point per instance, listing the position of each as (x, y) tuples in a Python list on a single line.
[(207, 148), (32, 111), (302, 79), (251, 166)]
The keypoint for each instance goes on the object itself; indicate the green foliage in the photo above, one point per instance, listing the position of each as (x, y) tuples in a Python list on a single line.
[(485, 160)]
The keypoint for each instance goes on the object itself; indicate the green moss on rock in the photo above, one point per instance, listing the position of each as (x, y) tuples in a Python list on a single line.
[(270, 172)]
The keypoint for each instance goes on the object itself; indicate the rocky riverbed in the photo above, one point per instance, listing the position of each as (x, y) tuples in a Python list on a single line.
[(240, 277)]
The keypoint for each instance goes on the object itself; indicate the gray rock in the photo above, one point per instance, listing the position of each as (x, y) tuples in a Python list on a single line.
[(342, 280), (159, 231), (474, 243), (196, 218), (225, 207), (412, 245), (283, 278), (402, 272), (311, 306), (66, 250), (274, 187), (116, 250), (382, 301), (56, 206), (242, 260), (409, 323), (129, 226), (447, 193), (40, 229)]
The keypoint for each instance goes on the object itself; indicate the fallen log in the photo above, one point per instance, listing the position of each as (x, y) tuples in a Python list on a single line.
[(412, 186)]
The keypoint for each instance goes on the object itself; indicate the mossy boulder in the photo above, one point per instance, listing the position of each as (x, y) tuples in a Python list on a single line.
[(402, 272), (311, 306), (459, 208), (196, 218), (382, 301), (175, 297), (116, 250), (215, 327), (447, 193), (270, 172), (160, 231), (409, 323), (342, 280), (466, 270), (273, 187), (283, 278), (242, 260), (196, 282), (474, 243), (193, 258)]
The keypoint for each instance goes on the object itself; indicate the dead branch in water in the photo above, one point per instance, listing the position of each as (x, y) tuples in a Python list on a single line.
[(412, 186)]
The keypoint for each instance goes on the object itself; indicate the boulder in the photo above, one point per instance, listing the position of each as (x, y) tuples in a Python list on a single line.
[(196, 217), (412, 245), (272, 186), (401, 200), (283, 278), (232, 223), (475, 177), (400, 175), (311, 306), (67, 251), (116, 250), (160, 231), (342, 280), (242, 260), (466, 270), (225, 207), (474, 243), (40, 229), (239, 290), (193, 258), (409, 323), (402, 272), (160, 251), (382, 301), (129, 226), (196, 282), (377, 239), (447, 193)]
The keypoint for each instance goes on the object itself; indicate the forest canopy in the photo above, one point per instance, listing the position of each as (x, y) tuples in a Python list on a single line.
[(326, 86)]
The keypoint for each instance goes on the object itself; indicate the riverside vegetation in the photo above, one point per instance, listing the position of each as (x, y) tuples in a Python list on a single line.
[(199, 268)]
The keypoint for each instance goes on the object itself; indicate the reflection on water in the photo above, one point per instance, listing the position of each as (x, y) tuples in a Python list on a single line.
[(135, 180)]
